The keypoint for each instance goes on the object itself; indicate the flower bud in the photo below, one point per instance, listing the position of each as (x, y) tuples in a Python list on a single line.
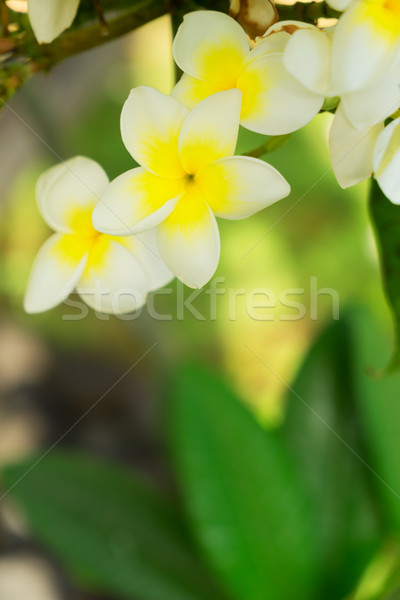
[(255, 16)]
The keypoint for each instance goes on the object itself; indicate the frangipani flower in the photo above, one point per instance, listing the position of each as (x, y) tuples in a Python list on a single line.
[(110, 275), (359, 117), (351, 150), (188, 175), (308, 56), (387, 161), (214, 53), (49, 18), (366, 43)]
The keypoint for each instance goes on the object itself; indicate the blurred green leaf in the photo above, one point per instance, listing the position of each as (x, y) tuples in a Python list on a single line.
[(379, 405), (245, 502), (386, 222), (112, 531), (324, 431), (382, 577)]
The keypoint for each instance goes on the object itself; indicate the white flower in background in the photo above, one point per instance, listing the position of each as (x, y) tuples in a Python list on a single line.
[(340, 5), (387, 161), (110, 275), (351, 150), (49, 18), (188, 175), (366, 43), (360, 115), (213, 52), (309, 57)]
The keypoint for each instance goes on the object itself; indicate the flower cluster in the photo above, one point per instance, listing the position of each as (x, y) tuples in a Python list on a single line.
[(115, 242)]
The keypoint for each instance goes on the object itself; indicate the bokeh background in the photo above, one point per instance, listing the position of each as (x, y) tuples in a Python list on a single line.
[(54, 367)]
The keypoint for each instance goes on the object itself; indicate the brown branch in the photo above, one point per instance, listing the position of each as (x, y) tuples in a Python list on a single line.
[(121, 16), (100, 16)]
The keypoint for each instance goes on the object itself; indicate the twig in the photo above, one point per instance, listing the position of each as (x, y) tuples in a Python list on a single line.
[(271, 143), (100, 16), (4, 18)]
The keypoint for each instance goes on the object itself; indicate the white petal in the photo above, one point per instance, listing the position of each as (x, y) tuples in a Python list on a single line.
[(373, 104), (288, 26), (268, 45), (189, 241), (115, 284), (211, 46), (351, 150), (54, 273), (387, 161), (210, 131), (308, 58), (49, 18), (68, 192), (190, 91), (273, 102), (150, 126), (240, 186), (362, 46), (144, 247), (135, 201), (340, 5)]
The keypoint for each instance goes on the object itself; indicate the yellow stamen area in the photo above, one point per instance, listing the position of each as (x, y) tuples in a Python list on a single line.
[(72, 247), (161, 155), (216, 183), (220, 63), (203, 149), (382, 15), (190, 212), (153, 192), (79, 220)]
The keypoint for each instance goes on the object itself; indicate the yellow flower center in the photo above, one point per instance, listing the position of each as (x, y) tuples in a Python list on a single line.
[(383, 15), (85, 238)]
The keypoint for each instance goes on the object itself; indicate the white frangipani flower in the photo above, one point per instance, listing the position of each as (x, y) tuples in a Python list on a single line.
[(49, 18), (366, 43), (387, 161), (112, 275), (351, 150), (188, 175), (359, 118), (308, 56), (213, 52)]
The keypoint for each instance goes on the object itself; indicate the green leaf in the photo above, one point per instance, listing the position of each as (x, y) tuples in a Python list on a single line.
[(324, 430), (115, 533), (386, 221), (245, 502), (379, 405)]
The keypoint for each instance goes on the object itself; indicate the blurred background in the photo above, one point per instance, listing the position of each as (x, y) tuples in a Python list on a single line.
[(55, 367)]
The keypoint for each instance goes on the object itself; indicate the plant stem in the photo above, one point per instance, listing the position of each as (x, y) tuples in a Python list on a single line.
[(271, 143), (117, 18)]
